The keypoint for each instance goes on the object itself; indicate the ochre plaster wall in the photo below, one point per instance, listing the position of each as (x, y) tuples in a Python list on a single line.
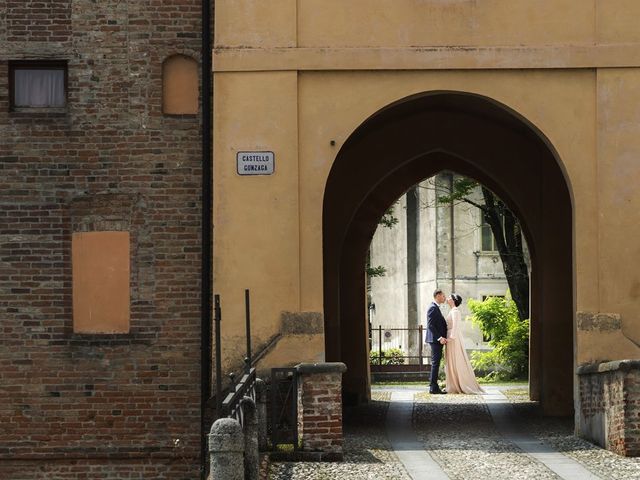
[(287, 352), (311, 72), (255, 23), (370, 23), (617, 21), (618, 173), (256, 217)]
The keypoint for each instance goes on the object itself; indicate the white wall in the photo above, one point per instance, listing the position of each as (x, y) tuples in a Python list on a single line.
[(389, 293)]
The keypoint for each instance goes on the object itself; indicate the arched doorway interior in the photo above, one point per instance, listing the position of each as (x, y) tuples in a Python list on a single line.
[(413, 139)]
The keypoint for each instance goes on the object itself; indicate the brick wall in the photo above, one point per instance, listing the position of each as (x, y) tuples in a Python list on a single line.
[(114, 469), (99, 406), (320, 410), (38, 21), (610, 405)]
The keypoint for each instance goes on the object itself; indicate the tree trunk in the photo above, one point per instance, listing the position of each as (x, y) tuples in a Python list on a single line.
[(508, 236)]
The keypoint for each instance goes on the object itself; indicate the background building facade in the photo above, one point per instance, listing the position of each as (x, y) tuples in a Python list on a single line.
[(419, 248)]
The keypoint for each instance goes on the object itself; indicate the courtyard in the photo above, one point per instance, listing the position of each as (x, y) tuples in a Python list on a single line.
[(500, 435)]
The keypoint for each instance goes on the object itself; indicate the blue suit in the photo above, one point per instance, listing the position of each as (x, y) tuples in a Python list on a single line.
[(436, 328)]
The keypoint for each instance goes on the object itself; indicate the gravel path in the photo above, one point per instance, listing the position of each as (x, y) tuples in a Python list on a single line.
[(559, 434), (367, 451), (457, 430)]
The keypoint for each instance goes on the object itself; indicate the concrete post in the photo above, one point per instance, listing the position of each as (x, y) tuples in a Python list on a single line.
[(226, 450), (251, 452), (261, 410)]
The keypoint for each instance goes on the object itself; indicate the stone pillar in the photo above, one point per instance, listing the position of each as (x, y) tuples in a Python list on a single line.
[(413, 232), (261, 410), (610, 405), (320, 410), (226, 450), (250, 426)]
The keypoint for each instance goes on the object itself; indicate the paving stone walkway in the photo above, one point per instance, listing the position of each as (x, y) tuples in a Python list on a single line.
[(420, 465), (408, 434), (515, 430)]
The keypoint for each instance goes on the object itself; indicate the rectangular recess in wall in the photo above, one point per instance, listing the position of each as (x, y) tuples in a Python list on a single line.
[(100, 263)]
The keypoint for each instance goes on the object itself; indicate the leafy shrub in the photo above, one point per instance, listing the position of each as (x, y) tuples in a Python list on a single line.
[(497, 376), (489, 367), (498, 318), (392, 356)]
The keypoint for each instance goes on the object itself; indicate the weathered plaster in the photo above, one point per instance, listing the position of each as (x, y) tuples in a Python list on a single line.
[(588, 321), (296, 323)]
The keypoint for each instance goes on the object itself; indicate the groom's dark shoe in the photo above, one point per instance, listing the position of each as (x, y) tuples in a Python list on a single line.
[(437, 392)]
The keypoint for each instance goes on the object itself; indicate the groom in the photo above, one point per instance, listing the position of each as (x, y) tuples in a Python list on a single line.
[(436, 337)]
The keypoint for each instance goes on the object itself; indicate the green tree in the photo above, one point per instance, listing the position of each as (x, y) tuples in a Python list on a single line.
[(377, 271), (498, 319), (388, 220), (507, 233)]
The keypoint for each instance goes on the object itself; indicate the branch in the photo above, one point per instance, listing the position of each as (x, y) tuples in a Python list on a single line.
[(475, 204), (445, 195)]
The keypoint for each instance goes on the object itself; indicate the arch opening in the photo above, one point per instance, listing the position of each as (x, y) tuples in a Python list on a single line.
[(414, 139)]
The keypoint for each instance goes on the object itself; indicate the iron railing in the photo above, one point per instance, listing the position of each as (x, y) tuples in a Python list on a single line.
[(283, 427), (246, 386), (391, 346)]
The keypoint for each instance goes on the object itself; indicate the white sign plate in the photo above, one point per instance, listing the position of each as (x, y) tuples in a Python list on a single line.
[(255, 163)]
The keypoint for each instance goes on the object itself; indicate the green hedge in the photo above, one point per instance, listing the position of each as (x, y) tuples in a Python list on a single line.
[(392, 356)]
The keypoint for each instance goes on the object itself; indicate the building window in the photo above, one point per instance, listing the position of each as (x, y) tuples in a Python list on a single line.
[(180, 86), (487, 240), (38, 84)]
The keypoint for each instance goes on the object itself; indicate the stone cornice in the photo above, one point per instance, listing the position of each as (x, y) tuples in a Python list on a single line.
[(247, 59), (602, 367), (329, 367)]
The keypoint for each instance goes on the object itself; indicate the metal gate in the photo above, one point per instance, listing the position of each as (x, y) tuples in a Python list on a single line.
[(284, 407)]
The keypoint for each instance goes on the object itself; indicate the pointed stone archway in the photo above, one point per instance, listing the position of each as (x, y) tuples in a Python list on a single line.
[(411, 140)]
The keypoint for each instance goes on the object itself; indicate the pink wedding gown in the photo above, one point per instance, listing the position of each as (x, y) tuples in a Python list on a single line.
[(458, 370)]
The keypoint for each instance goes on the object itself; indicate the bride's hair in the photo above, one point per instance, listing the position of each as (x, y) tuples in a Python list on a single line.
[(457, 299)]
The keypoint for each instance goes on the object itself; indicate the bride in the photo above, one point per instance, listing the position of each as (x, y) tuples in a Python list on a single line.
[(459, 373)]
